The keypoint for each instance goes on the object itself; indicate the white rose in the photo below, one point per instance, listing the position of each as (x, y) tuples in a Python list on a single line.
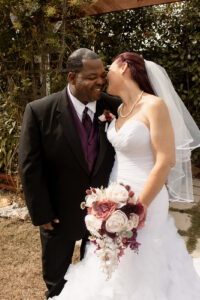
[(90, 199), (98, 196), (134, 219), (117, 222), (93, 224), (130, 225), (116, 193), (102, 118)]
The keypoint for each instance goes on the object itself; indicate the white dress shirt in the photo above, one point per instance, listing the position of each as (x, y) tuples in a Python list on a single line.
[(79, 106)]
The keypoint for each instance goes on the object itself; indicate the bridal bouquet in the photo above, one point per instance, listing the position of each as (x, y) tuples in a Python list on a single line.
[(113, 219)]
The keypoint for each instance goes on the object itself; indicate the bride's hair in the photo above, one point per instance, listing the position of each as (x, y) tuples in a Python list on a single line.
[(137, 69)]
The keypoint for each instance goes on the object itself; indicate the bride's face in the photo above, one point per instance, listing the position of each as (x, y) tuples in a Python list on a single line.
[(114, 78)]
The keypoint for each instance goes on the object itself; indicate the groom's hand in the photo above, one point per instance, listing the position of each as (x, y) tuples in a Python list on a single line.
[(49, 226)]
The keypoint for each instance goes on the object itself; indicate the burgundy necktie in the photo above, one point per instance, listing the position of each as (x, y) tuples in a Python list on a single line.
[(86, 121)]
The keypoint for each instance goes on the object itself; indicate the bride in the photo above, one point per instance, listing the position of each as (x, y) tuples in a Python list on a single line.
[(153, 137)]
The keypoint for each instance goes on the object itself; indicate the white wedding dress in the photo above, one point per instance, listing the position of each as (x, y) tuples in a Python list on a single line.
[(163, 269)]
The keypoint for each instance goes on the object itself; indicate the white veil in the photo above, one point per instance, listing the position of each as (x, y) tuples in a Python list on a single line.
[(187, 134)]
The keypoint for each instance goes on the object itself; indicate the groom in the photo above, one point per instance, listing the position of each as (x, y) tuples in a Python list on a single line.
[(63, 151)]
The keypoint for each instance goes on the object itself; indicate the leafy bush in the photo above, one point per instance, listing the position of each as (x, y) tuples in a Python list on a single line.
[(37, 36), (9, 136)]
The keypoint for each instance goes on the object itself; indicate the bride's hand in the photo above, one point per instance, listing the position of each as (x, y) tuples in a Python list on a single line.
[(142, 217)]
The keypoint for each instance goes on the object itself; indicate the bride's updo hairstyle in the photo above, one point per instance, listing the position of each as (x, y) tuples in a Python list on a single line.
[(137, 69)]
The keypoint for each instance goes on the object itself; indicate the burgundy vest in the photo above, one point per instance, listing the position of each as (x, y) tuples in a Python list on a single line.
[(89, 144)]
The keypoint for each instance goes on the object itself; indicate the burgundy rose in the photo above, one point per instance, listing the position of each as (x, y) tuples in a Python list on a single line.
[(139, 209), (108, 117), (128, 208)]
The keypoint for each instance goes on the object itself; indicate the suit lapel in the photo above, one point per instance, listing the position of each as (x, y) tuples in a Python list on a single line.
[(103, 142), (65, 117)]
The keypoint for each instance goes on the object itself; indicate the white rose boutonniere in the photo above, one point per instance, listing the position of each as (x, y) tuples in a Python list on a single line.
[(107, 117)]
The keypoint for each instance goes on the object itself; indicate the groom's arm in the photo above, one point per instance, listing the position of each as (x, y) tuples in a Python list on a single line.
[(31, 168)]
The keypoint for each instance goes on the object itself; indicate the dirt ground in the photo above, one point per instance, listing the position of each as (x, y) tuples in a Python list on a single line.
[(20, 261)]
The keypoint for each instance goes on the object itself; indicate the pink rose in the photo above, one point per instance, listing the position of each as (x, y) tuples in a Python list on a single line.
[(103, 209)]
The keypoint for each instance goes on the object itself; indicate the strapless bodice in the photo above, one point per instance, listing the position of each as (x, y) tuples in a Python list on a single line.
[(134, 156)]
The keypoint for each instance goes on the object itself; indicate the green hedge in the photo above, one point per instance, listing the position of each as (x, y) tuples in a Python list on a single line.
[(167, 34)]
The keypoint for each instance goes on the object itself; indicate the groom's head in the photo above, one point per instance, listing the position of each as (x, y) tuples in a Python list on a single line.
[(86, 75)]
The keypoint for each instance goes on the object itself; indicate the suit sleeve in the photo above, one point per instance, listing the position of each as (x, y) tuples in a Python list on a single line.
[(31, 169)]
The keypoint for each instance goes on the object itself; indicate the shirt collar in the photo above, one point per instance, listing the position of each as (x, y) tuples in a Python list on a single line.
[(79, 106)]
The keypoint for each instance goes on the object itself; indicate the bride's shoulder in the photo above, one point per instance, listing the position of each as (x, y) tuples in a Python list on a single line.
[(155, 109), (153, 102)]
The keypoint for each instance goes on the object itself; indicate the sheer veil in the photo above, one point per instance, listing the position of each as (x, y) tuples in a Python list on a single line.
[(187, 134)]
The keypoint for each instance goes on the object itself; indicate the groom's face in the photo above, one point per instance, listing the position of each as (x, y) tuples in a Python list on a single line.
[(87, 84)]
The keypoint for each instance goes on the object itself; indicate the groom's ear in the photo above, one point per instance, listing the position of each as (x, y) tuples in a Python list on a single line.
[(71, 77)]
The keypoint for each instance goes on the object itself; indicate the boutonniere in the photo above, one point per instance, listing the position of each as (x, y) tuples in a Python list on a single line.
[(107, 117)]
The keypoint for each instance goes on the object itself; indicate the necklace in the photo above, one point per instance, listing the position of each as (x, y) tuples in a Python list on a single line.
[(121, 107)]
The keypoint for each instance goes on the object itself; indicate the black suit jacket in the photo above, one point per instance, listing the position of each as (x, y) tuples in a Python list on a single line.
[(52, 166)]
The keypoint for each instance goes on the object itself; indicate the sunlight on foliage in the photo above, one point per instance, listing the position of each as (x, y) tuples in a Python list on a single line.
[(37, 36), (80, 2), (50, 11)]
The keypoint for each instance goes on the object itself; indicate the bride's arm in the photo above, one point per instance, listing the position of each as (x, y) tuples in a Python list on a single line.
[(162, 140)]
